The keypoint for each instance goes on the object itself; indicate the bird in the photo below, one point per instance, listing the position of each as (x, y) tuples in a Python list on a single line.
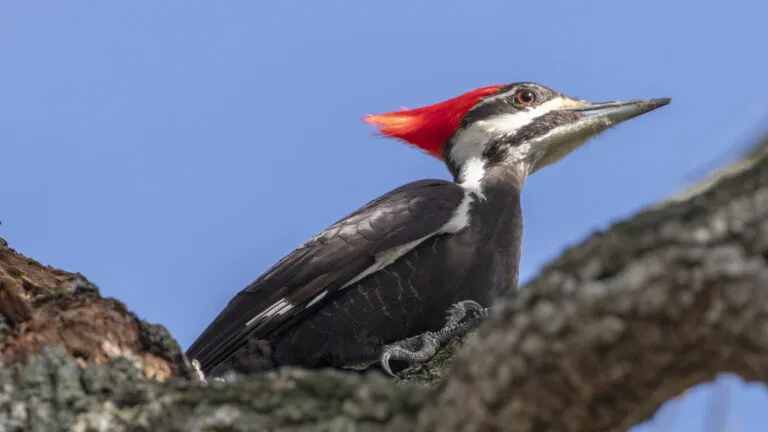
[(395, 279)]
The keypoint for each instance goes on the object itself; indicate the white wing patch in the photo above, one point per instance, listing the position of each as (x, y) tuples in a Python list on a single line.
[(387, 257), (278, 308), (456, 223), (316, 299), (384, 259), (460, 218)]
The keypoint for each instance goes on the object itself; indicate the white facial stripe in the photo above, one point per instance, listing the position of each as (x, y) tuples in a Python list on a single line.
[(471, 175), (469, 143)]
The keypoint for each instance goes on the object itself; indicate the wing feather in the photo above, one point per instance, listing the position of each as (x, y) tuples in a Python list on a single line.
[(327, 262)]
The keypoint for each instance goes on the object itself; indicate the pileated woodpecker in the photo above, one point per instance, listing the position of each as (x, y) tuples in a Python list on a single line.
[(378, 284)]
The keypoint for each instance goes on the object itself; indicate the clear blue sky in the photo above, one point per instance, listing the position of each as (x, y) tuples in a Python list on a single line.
[(173, 151)]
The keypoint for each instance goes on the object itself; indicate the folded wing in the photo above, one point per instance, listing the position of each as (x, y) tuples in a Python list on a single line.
[(360, 244)]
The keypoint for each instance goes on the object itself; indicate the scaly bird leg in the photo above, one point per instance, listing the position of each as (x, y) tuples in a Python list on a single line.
[(462, 316)]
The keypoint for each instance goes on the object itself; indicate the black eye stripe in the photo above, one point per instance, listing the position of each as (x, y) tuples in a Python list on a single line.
[(503, 101), (542, 125)]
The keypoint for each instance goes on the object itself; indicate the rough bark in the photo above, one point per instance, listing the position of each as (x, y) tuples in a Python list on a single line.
[(603, 336)]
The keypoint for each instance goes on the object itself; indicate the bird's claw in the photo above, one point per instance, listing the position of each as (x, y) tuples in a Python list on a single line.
[(416, 349), (460, 318)]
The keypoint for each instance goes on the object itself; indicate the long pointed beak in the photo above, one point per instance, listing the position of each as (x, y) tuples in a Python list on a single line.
[(587, 120), (617, 112)]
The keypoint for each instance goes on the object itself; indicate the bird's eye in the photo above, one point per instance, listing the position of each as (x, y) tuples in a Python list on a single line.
[(525, 97)]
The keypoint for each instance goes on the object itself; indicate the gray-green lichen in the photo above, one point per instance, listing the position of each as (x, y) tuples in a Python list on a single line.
[(156, 339), (50, 392), (433, 371)]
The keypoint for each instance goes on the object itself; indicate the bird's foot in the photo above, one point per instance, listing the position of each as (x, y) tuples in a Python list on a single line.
[(462, 316)]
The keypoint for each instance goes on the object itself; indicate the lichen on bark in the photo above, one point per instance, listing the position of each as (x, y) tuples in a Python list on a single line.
[(50, 391)]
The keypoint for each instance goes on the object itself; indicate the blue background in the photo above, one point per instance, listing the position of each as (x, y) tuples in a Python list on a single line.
[(172, 151)]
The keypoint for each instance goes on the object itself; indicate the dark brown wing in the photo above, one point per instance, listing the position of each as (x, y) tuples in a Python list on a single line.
[(326, 263)]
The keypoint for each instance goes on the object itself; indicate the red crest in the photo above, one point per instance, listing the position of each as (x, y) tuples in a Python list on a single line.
[(429, 127)]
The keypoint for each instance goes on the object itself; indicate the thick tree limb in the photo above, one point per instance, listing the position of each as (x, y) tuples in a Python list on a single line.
[(625, 321), (597, 342)]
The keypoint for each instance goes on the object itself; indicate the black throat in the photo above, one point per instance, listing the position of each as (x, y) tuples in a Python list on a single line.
[(496, 226)]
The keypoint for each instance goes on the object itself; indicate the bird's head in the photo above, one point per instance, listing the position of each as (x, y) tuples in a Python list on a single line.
[(527, 124)]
